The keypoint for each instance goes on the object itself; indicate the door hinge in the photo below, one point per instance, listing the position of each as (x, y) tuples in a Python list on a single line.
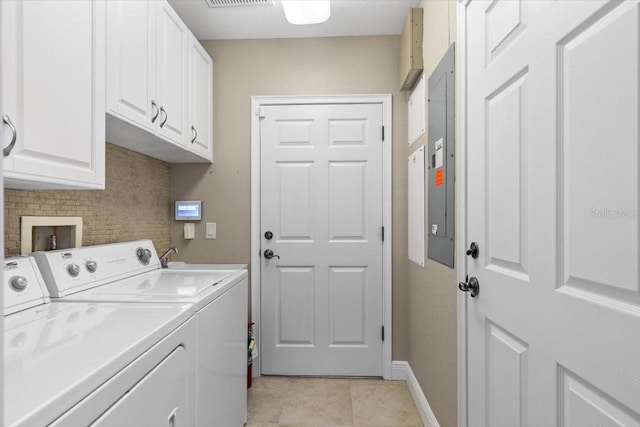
[(261, 112), (383, 233), (383, 133), (383, 333)]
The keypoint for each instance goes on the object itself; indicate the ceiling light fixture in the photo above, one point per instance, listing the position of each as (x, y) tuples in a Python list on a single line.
[(305, 12)]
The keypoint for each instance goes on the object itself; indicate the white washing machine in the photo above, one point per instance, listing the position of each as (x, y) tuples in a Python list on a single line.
[(130, 272), (99, 364)]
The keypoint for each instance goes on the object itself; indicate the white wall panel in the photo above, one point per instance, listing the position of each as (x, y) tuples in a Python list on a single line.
[(416, 206), (417, 110)]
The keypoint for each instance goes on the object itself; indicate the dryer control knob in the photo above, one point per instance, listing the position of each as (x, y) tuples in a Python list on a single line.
[(92, 266), (18, 283), (144, 255), (73, 269)]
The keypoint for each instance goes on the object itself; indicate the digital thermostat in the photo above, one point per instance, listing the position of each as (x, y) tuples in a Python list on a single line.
[(188, 210)]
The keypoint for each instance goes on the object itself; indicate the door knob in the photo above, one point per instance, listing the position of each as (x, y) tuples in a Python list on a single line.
[(268, 254), (470, 285), (473, 250)]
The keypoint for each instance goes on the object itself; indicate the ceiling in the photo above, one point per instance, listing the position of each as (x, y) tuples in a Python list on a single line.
[(348, 18)]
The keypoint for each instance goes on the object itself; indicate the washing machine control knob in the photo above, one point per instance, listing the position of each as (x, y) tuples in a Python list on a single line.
[(18, 283), (73, 270), (92, 266), (144, 255)]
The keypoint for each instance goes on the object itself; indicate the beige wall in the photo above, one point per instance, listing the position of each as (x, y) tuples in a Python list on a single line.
[(245, 68), (432, 289), (134, 205)]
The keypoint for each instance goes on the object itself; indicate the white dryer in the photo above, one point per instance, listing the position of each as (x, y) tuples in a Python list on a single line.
[(130, 272), (98, 364)]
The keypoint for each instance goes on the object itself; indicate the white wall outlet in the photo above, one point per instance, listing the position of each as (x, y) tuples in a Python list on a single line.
[(211, 230)]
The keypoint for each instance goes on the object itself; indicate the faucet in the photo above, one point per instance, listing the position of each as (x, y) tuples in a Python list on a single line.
[(163, 257)]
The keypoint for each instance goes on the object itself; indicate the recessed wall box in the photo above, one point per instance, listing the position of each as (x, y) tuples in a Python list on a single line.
[(36, 232), (411, 62), (440, 160), (416, 109), (189, 210)]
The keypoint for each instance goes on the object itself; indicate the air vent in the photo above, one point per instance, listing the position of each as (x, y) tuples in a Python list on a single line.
[(238, 3)]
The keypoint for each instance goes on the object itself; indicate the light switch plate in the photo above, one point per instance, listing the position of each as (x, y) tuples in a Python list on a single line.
[(189, 231), (210, 230)]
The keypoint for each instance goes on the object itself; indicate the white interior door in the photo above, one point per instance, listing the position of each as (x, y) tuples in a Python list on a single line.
[(552, 201), (321, 198)]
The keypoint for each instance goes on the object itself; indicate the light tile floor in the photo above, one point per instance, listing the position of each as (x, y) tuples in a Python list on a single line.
[(323, 402)]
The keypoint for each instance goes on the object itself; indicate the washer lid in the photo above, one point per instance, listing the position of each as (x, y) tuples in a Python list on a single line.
[(197, 287), (163, 283), (58, 353)]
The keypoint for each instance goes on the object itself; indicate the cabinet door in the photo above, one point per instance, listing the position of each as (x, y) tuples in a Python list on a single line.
[(172, 56), (131, 67), (200, 98), (53, 93)]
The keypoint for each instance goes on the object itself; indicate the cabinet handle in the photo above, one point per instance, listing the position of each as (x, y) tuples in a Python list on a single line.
[(166, 116), (153, 104), (196, 134), (7, 121), (172, 417)]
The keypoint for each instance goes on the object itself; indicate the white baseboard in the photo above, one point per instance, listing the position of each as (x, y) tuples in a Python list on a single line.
[(401, 370)]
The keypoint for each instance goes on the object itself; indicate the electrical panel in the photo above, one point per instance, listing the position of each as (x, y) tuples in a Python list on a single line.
[(440, 161)]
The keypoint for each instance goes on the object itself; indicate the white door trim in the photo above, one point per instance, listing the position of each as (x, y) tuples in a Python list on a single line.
[(256, 103), (461, 205)]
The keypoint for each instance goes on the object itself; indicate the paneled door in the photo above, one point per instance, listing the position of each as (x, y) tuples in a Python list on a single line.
[(552, 203), (321, 231)]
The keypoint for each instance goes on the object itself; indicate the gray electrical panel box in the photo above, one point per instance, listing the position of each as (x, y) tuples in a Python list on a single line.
[(440, 161)]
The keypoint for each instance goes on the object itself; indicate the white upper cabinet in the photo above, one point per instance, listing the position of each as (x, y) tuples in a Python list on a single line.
[(200, 98), (131, 54), (172, 54), (148, 74), (53, 93)]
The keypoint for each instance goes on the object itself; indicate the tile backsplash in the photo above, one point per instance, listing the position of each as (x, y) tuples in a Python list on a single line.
[(134, 205)]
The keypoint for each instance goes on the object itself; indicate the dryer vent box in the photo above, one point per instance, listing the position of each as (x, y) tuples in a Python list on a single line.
[(411, 63)]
